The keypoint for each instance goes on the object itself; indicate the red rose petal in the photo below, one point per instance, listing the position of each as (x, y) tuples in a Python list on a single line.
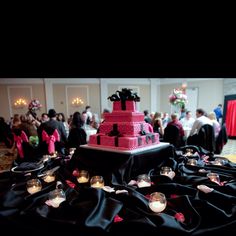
[(180, 217), (117, 219)]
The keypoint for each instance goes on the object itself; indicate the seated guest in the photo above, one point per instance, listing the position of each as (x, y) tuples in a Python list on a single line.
[(215, 123), (175, 121), (157, 124), (187, 121), (200, 121), (147, 118), (166, 119), (50, 126)]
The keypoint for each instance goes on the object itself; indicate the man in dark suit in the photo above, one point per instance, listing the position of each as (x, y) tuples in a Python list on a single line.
[(51, 125)]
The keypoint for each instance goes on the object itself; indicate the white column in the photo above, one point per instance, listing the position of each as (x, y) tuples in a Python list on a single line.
[(48, 94), (104, 94), (155, 95)]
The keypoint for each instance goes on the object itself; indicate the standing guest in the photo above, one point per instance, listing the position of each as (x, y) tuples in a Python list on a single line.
[(44, 117), (5, 133), (89, 115), (77, 135), (95, 121), (61, 118), (104, 112), (218, 112)]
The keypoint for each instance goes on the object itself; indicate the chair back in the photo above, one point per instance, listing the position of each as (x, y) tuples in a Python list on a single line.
[(20, 137), (50, 140), (221, 139), (206, 137), (172, 135)]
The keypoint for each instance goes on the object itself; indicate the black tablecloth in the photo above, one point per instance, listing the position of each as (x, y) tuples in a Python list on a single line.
[(120, 167), (89, 211)]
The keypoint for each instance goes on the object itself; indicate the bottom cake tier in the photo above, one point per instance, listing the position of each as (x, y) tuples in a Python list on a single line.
[(125, 143)]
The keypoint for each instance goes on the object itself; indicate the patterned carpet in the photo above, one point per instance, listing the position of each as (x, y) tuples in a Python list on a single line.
[(229, 150)]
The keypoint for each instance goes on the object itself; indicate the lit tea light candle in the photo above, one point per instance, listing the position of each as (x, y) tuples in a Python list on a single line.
[(72, 151), (218, 162), (165, 170), (214, 177), (97, 182), (157, 202), (83, 176), (33, 186), (143, 181), (49, 178), (192, 162), (56, 197)]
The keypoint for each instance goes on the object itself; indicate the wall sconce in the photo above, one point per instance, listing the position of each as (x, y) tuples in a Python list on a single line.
[(77, 102), (20, 103)]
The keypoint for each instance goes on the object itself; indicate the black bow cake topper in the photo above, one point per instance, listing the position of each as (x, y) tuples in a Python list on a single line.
[(124, 95)]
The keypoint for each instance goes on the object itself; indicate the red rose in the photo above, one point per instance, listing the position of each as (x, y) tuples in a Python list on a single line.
[(180, 217)]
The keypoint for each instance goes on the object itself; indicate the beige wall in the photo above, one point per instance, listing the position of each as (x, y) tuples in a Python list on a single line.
[(211, 92), (9, 93), (63, 95), (143, 92)]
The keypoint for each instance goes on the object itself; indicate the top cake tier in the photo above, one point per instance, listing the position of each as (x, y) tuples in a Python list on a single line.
[(124, 106)]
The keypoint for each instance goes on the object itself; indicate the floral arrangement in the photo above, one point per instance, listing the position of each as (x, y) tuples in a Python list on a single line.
[(178, 97), (34, 105)]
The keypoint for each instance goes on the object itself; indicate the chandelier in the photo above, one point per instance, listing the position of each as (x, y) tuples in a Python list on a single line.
[(77, 102), (20, 103)]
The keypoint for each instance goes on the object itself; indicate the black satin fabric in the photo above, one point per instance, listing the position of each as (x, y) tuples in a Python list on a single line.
[(89, 211)]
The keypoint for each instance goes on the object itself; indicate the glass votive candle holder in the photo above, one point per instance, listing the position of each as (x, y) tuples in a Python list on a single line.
[(97, 182), (157, 202), (143, 181), (214, 177), (165, 170), (218, 162), (56, 197), (48, 178), (72, 151), (33, 186), (192, 162), (83, 176)]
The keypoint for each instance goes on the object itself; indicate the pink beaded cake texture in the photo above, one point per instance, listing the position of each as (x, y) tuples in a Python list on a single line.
[(124, 128)]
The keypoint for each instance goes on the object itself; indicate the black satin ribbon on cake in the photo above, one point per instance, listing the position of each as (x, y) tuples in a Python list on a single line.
[(139, 141), (150, 137), (124, 95), (98, 139), (123, 105), (142, 132), (116, 133)]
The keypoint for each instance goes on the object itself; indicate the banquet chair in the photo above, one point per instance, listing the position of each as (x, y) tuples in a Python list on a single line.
[(172, 135), (221, 139), (206, 138), (50, 141), (25, 151)]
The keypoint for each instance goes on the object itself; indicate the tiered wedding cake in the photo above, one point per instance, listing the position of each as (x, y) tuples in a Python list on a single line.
[(125, 127)]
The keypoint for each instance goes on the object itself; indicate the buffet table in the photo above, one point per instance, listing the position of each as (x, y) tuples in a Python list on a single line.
[(126, 209)]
